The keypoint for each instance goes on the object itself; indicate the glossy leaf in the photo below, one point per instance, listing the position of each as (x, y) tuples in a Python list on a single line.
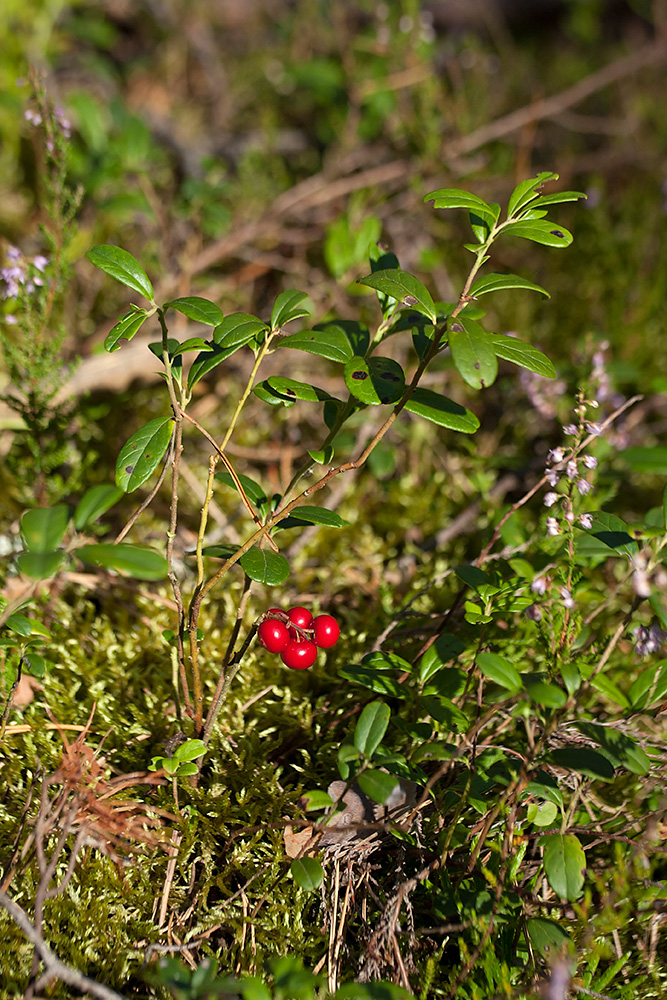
[(137, 561), (497, 282), (403, 287), (550, 234), (40, 565), (122, 266), (95, 502), (142, 453), (458, 198), (206, 362), (265, 566), (331, 343), (547, 695), (312, 515), (197, 309), (444, 711), (236, 330), (371, 727), (312, 801), (253, 490), (522, 354), (445, 649), (190, 750), (43, 528), (307, 873), (442, 411), (611, 530), (267, 395), (557, 198), (377, 785), (375, 380), (292, 389), (584, 760), (125, 329), (287, 307), (500, 671), (473, 352), (564, 864), (526, 191)]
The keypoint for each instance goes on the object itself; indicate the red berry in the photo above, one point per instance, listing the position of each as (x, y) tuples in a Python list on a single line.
[(273, 635), (300, 616), (326, 631), (299, 655)]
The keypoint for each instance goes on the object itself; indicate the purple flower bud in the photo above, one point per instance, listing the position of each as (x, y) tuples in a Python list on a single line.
[(533, 613), (572, 468), (550, 499), (584, 486), (556, 455), (539, 585), (566, 597), (570, 429), (590, 462), (552, 526), (552, 478), (586, 520), (593, 428), (40, 261), (569, 516), (641, 584)]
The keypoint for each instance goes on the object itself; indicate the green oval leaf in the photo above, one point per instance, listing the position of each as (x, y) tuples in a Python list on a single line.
[(403, 287), (125, 328), (197, 309), (620, 748), (312, 515), (372, 679), (473, 352), (307, 873), (458, 198), (40, 565), (522, 354), (496, 282), (564, 864), (584, 760), (547, 695), (377, 785), (371, 727), (236, 330), (547, 937), (142, 453), (253, 490), (331, 343), (43, 528), (442, 411), (189, 750), (550, 234), (137, 561), (265, 566), (526, 191), (95, 502), (206, 362), (287, 308), (292, 389), (122, 266), (500, 671), (375, 380), (312, 801)]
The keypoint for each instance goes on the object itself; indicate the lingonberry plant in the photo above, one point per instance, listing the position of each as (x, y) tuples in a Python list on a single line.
[(367, 378)]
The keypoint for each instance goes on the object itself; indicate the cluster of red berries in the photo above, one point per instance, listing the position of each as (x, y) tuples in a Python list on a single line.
[(296, 635)]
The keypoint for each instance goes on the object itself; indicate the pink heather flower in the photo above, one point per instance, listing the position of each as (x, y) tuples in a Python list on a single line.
[(40, 261), (32, 116), (566, 597), (556, 455), (648, 640), (590, 462), (552, 526), (539, 585), (552, 478), (593, 428), (569, 516), (572, 468), (533, 613), (584, 486), (586, 520), (570, 429), (13, 254), (550, 499)]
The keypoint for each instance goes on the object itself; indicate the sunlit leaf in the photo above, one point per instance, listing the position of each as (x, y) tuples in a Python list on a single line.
[(307, 873), (496, 282), (543, 231), (500, 671), (371, 727), (442, 411), (137, 561), (375, 380), (526, 191), (287, 308), (378, 785), (197, 309), (142, 453), (522, 354), (122, 266), (125, 329), (473, 352), (564, 864), (403, 287), (265, 566)]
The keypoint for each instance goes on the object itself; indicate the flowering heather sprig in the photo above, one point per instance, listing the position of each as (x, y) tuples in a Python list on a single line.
[(571, 465), (21, 273), (648, 639)]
